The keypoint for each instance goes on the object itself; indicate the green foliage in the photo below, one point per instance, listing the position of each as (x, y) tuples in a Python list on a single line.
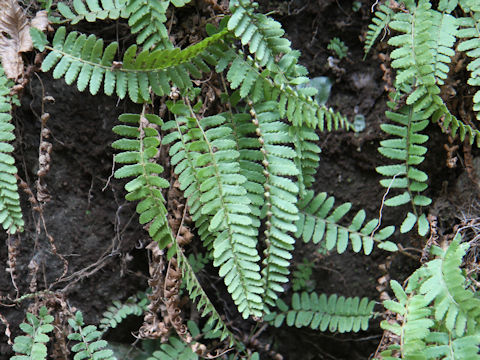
[(91, 10), (319, 312), (302, 276), (89, 344), (115, 314), (379, 23), (32, 346), (438, 316), (338, 47), (140, 145), (10, 211), (317, 223), (174, 349)]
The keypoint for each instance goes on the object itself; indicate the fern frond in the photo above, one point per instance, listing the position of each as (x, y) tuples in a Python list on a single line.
[(455, 126), (92, 10), (457, 306), (140, 145), (470, 32), (222, 205), (147, 19), (202, 302), (83, 59), (263, 34), (319, 312), (259, 86), (115, 314), (10, 210), (33, 345), (318, 223), (380, 22), (280, 193), (90, 345), (174, 349), (408, 150)]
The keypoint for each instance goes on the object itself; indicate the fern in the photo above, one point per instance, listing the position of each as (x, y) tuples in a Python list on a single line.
[(379, 23), (89, 345), (139, 146), (437, 315), (147, 20), (174, 349), (320, 312), (470, 31), (203, 303), (82, 59), (408, 149), (317, 223), (115, 314), (215, 185), (91, 10), (33, 345), (10, 210)]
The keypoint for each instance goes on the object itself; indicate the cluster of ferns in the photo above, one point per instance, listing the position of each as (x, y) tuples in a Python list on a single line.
[(246, 173)]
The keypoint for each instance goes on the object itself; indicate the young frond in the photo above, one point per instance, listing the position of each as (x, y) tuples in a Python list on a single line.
[(89, 343), (319, 312), (139, 145), (32, 346), (206, 159), (115, 314), (319, 223), (406, 148), (92, 10), (455, 126), (83, 59), (10, 210), (380, 22)]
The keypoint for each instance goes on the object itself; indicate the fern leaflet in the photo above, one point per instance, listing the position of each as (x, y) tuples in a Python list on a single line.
[(91, 10)]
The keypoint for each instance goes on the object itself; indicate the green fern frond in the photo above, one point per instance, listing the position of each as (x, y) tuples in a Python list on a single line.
[(280, 193), (470, 32), (90, 345), (10, 210), (115, 314), (83, 59), (455, 126), (380, 22), (174, 349), (259, 86), (318, 223), (202, 302), (263, 34), (140, 144), (207, 163), (319, 312), (147, 19), (444, 283), (406, 148), (32, 346), (91, 10)]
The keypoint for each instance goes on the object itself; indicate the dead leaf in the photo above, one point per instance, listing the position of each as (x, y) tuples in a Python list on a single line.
[(14, 37), (40, 21)]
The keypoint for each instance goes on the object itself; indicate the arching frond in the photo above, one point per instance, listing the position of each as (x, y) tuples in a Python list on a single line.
[(319, 312), (319, 223), (118, 311), (380, 22)]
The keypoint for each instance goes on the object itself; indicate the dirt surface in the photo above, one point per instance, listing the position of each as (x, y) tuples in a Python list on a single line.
[(96, 231)]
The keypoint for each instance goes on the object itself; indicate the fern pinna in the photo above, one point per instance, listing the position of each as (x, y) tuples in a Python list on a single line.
[(438, 315)]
